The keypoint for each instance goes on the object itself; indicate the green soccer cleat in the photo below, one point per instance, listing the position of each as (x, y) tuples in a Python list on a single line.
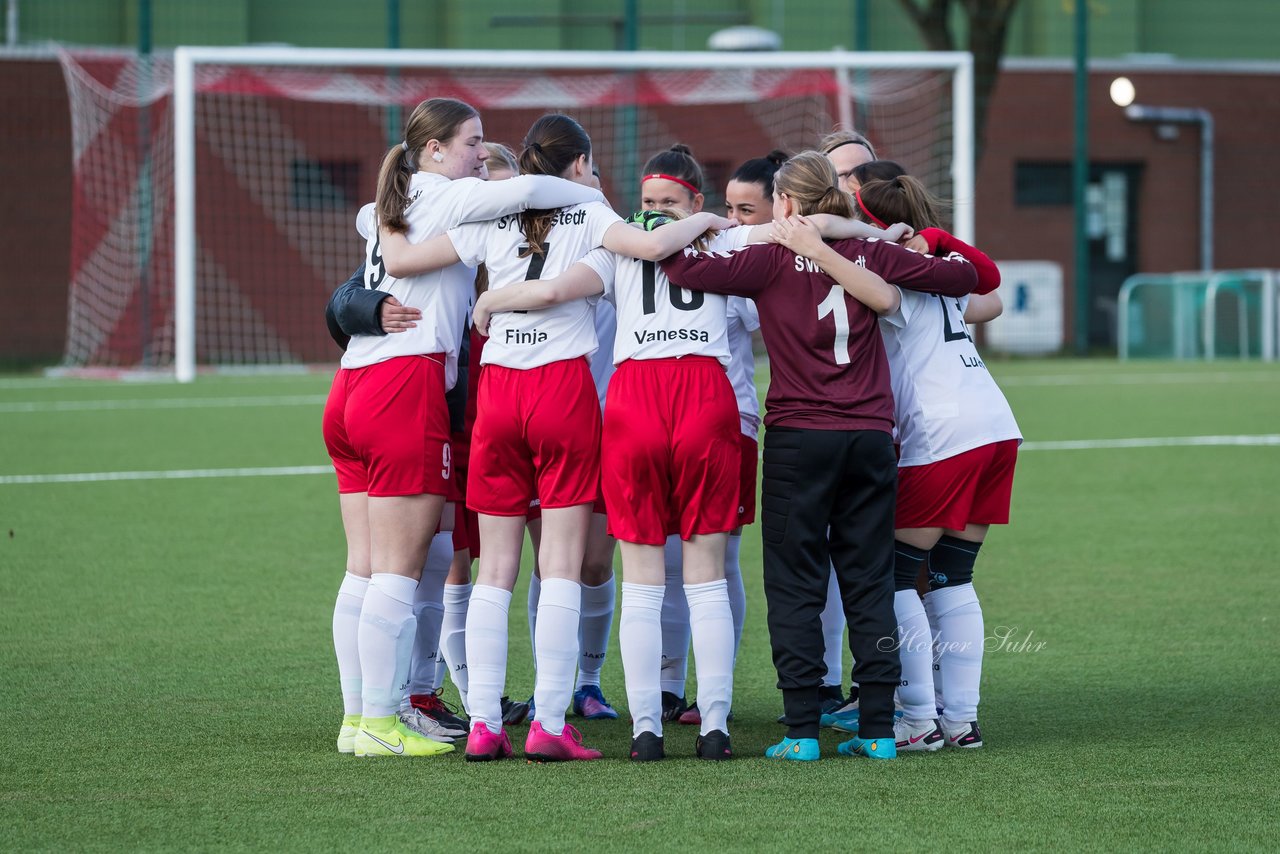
[(389, 737), (347, 735)]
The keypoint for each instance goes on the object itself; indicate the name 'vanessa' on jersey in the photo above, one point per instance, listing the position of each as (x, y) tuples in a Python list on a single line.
[(653, 336)]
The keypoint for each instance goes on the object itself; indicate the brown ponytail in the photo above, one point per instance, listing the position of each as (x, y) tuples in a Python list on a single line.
[(551, 146), (810, 180), (902, 199), (438, 119)]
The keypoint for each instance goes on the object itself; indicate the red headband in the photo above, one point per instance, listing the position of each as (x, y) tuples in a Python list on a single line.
[(857, 194), (685, 184)]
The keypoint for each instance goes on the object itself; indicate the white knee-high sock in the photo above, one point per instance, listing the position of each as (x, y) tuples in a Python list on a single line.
[(915, 650), (737, 590), (346, 646), (535, 591), (957, 620), (833, 634), (486, 640), (640, 636), (675, 620), (597, 623), (453, 636), (386, 642), (428, 610), (712, 624), (556, 651)]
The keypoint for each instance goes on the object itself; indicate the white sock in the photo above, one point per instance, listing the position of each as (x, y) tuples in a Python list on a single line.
[(833, 634), (428, 610), (556, 651), (737, 590), (386, 642), (915, 650), (597, 623), (442, 670), (486, 641), (957, 620), (639, 636), (453, 636), (346, 629), (712, 623), (675, 620), (535, 592)]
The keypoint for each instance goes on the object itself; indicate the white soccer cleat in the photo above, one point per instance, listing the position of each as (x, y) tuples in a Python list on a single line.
[(962, 733), (429, 727), (918, 735)]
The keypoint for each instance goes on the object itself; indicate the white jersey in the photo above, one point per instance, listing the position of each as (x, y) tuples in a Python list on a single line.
[(945, 401), (437, 203), (602, 362), (743, 320), (531, 339), (658, 320)]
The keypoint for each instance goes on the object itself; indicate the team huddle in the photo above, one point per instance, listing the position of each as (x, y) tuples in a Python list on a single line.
[(518, 356)]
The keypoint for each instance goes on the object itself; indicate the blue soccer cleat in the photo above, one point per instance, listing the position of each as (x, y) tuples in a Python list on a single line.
[(795, 750), (871, 748)]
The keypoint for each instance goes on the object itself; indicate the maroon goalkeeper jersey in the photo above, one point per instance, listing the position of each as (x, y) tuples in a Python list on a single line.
[(827, 364)]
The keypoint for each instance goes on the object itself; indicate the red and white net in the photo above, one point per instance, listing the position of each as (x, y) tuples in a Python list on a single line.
[(285, 156)]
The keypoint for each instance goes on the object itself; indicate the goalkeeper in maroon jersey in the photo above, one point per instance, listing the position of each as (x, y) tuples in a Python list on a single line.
[(829, 462)]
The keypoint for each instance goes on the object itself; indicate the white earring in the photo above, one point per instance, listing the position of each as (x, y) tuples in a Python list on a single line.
[(437, 157)]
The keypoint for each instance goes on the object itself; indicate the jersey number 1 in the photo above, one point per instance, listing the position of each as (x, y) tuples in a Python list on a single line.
[(834, 305)]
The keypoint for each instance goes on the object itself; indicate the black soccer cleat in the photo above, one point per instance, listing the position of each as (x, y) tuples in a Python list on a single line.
[(715, 745), (672, 706), (647, 747)]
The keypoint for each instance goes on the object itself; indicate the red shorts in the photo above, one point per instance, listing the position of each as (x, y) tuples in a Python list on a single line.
[(969, 488), (671, 460), (386, 427), (535, 506), (537, 433), (748, 473)]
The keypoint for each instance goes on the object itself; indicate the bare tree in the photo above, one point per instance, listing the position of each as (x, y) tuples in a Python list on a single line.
[(988, 26)]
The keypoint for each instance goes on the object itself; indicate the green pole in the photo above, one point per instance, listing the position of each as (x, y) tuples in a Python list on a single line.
[(394, 129), (145, 227), (861, 44), (1080, 175), (629, 115)]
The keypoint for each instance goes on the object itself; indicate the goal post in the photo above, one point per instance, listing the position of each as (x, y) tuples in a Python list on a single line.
[(274, 148)]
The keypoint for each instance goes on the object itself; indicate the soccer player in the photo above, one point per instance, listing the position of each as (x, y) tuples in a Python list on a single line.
[(386, 422), (959, 442), (536, 433), (847, 150), (829, 463), (748, 199)]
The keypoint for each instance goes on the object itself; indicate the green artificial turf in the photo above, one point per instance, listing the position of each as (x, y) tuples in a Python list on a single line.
[(167, 676)]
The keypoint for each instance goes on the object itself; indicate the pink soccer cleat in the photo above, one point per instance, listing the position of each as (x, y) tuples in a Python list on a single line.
[(485, 746), (542, 746)]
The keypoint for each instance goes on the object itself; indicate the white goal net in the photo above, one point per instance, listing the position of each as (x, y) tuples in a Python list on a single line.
[(216, 190)]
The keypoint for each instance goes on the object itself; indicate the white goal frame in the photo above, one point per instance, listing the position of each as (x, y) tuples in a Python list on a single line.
[(185, 60)]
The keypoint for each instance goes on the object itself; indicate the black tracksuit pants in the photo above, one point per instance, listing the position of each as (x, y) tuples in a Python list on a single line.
[(844, 482)]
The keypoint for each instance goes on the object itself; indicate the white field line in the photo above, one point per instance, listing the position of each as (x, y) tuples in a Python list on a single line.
[(178, 474), (1153, 442), (286, 471), (1189, 378), (160, 403)]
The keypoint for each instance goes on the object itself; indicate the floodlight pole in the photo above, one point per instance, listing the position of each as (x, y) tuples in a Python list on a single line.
[(1191, 116)]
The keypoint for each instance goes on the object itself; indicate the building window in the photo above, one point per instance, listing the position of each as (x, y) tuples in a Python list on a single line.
[(1041, 184)]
